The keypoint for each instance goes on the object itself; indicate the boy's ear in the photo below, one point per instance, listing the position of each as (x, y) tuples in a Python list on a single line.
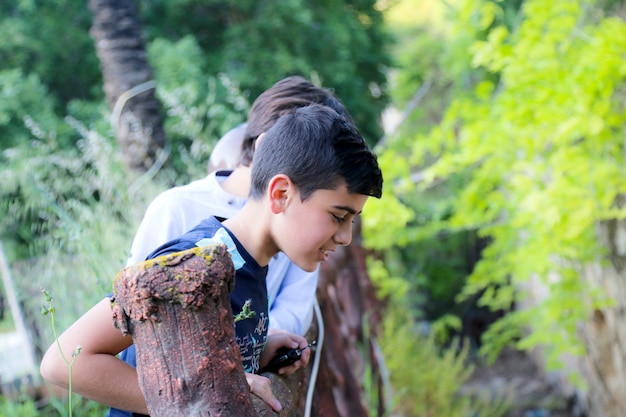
[(279, 189)]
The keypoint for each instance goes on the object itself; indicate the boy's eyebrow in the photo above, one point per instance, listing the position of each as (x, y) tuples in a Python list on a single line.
[(347, 208)]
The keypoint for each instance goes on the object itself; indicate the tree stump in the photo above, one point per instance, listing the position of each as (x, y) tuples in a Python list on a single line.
[(177, 309)]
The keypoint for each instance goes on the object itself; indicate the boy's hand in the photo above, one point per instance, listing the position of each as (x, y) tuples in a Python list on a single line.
[(277, 341), (260, 386)]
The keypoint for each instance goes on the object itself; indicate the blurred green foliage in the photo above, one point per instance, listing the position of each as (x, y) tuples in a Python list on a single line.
[(200, 108), (210, 58), (515, 143), (339, 45), (68, 207), (27, 407), (427, 380), (25, 102), (51, 40), (77, 203), (521, 150)]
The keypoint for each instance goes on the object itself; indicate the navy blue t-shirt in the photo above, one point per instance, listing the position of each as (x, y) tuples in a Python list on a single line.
[(249, 285)]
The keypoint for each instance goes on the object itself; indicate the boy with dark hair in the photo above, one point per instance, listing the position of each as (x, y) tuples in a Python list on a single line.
[(284, 96), (173, 212), (303, 200)]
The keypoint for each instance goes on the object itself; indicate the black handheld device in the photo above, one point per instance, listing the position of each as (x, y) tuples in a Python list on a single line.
[(285, 357)]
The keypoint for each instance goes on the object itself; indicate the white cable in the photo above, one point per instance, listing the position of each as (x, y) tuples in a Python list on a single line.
[(384, 374), (162, 156), (116, 114), (316, 360)]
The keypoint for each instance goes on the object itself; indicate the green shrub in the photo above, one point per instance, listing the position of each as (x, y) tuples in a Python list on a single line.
[(28, 407), (67, 223), (426, 379)]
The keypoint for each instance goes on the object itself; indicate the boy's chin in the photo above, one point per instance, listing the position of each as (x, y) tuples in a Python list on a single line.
[(307, 262), (308, 266)]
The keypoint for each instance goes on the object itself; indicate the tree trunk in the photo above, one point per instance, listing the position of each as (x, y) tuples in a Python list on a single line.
[(185, 296), (604, 366), (348, 384), (128, 83), (177, 309)]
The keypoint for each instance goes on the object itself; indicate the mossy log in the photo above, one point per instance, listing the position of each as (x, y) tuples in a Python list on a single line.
[(177, 309)]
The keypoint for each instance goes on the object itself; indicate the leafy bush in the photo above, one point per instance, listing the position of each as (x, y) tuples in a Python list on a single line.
[(427, 379), (27, 109), (535, 148), (200, 108), (27, 407), (341, 44), (73, 214), (426, 371)]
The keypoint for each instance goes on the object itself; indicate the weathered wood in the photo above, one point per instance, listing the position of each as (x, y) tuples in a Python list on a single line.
[(604, 367), (351, 315), (18, 369), (177, 309), (287, 389)]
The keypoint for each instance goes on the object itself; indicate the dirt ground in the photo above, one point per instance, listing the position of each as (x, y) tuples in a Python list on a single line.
[(529, 391)]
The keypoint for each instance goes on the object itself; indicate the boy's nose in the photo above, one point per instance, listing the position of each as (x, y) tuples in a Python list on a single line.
[(343, 236)]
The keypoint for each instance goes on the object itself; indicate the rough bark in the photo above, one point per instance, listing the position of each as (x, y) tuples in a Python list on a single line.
[(351, 316), (604, 366), (177, 309), (287, 389), (137, 118)]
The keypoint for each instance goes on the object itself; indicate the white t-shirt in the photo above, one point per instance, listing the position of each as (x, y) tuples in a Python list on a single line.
[(291, 290)]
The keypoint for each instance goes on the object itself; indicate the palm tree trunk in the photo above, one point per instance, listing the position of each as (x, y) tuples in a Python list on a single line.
[(128, 81)]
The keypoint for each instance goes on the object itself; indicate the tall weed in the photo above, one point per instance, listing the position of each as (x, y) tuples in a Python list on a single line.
[(427, 380), (72, 209)]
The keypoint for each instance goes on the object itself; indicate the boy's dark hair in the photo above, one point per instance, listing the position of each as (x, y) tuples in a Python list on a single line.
[(318, 149), (283, 97)]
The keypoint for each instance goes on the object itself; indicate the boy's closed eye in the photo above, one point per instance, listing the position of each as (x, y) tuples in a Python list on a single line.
[(339, 219), (344, 218), (347, 213)]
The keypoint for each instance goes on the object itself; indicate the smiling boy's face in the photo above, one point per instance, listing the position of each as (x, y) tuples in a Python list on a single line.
[(307, 231)]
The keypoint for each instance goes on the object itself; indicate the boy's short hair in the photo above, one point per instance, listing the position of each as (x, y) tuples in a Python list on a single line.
[(318, 149), (283, 97)]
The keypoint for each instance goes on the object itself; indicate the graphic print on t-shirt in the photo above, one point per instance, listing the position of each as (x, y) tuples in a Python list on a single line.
[(252, 344)]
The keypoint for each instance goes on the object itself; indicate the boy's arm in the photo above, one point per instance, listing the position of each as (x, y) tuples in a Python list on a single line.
[(292, 307), (97, 373)]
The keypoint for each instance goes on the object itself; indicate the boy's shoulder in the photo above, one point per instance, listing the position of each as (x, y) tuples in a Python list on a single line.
[(207, 228)]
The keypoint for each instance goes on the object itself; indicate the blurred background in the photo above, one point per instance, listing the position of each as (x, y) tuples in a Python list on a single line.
[(497, 253)]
